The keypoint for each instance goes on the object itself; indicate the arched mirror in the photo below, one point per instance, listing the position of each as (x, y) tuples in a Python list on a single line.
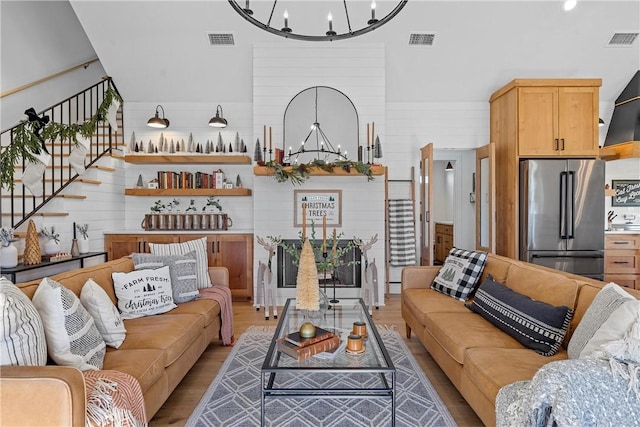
[(320, 122)]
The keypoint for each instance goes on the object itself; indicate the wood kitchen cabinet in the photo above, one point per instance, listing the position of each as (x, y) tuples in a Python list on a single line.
[(234, 251), (622, 259), (443, 241), (537, 118)]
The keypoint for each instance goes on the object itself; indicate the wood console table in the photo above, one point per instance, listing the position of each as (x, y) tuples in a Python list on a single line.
[(11, 273)]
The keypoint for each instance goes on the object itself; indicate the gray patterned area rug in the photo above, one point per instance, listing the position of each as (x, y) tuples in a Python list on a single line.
[(233, 399)]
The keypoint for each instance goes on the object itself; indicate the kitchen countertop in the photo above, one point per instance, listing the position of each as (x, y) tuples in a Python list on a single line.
[(444, 222), (621, 232)]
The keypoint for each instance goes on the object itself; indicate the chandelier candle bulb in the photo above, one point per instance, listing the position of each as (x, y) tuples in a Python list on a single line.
[(286, 19), (330, 18)]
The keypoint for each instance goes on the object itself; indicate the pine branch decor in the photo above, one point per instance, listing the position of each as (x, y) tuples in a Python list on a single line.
[(307, 285), (299, 173)]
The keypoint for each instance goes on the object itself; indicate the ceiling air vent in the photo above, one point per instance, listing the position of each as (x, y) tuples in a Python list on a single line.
[(421, 39), (221, 39), (622, 39)]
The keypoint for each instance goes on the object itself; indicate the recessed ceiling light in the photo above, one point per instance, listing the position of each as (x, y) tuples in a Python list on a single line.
[(569, 4)]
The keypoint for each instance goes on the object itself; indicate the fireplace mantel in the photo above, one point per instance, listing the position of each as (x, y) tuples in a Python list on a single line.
[(337, 171)]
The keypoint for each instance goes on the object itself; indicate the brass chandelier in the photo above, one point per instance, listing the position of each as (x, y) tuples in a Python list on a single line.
[(265, 22)]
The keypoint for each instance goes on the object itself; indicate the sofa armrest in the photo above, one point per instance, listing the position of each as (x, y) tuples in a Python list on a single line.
[(418, 276), (219, 276), (42, 396)]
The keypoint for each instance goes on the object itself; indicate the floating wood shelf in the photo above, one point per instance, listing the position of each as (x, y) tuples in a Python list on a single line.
[(187, 192), (187, 158), (337, 171), (624, 150)]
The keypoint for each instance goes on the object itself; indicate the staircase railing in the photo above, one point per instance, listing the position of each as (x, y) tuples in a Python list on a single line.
[(17, 204)]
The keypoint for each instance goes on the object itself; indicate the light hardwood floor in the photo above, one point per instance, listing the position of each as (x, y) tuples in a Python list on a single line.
[(186, 396)]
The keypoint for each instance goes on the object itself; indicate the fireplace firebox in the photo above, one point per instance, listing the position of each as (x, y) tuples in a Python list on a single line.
[(347, 275)]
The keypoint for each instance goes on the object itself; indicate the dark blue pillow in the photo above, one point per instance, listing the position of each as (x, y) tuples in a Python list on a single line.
[(534, 324)]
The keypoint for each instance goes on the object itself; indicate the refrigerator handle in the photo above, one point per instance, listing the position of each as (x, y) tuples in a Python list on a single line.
[(563, 205), (571, 198)]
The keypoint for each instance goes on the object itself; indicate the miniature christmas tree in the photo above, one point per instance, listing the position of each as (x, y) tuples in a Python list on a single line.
[(238, 181), (190, 142), (32, 253), (132, 142), (150, 147), (161, 142), (236, 147), (220, 146), (230, 148), (257, 152), (206, 147), (243, 147), (172, 147), (377, 153), (307, 287), (139, 184)]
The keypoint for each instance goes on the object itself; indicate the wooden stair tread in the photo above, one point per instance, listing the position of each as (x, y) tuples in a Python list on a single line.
[(37, 214), (83, 180)]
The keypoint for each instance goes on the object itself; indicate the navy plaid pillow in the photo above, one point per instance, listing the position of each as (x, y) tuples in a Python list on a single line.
[(460, 273), (534, 324)]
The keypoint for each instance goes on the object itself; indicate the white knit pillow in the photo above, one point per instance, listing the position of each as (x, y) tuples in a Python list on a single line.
[(202, 260), (104, 313), (22, 340), (72, 336)]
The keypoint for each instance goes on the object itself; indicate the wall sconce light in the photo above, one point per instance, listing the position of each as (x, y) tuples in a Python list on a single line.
[(449, 167), (218, 121), (600, 123), (156, 121)]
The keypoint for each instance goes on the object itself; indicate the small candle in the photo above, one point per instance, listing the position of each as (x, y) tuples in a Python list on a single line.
[(74, 230), (335, 244), (304, 221), (264, 136), (324, 230), (270, 137), (367, 134)]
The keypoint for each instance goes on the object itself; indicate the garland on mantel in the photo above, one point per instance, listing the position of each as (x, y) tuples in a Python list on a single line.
[(298, 173), (29, 136)]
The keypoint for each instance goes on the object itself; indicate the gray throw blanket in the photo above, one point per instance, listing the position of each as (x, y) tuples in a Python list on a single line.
[(575, 392)]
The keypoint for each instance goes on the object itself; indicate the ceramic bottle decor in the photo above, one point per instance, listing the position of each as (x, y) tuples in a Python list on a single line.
[(51, 247), (8, 256), (83, 245)]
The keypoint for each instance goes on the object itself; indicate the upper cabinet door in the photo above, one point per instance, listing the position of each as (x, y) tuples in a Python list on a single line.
[(538, 121), (578, 121)]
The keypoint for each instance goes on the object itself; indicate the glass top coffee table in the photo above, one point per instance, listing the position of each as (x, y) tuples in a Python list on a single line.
[(370, 375)]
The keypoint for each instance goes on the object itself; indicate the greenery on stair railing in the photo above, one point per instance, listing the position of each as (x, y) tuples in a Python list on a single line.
[(29, 135), (298, 173)]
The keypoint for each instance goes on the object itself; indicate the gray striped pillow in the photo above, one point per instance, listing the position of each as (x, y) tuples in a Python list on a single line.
[(202, 260), (22, 340), (182, 269), (610, 297)]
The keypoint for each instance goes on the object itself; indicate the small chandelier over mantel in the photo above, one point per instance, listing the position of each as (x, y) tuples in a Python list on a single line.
[(294, 31)]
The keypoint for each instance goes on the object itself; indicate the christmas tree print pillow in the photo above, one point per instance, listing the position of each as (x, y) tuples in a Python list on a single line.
[(143, 292), (460, 273)]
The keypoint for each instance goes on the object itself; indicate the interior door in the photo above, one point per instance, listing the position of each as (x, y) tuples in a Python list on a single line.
[(427, 228), (485, 196)]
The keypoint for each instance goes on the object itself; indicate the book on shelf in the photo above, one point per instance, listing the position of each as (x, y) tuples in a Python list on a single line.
[(295, 338), (300, 353)]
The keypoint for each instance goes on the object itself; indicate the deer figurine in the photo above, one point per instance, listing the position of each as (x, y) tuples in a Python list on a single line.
[(265, 292), (370, 287)]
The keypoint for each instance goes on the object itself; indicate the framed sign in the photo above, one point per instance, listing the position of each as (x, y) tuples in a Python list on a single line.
[(627, 192), (319, 203)]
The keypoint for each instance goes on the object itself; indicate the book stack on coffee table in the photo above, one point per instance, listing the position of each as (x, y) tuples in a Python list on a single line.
[(300, 348)]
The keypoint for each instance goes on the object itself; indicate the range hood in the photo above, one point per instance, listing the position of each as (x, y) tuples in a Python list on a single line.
[(623, 135)]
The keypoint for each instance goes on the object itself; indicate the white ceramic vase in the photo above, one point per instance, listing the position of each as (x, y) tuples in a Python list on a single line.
[(83, 245), (8, 256), (51, 247)]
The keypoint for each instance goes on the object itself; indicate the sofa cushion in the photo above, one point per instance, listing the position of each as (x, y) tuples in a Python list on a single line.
[(541, 285), (105, 315), (197, 245), (22, 340), (605, 302), (422, 301), (207, 308), (145, 365), (457, 332), (72, 336), (492, 368), (460, 273), (171, 333), (535, 324), (182, 268), (143, 292)]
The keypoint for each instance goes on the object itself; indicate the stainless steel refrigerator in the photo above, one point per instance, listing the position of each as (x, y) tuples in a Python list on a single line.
[(562, 215)]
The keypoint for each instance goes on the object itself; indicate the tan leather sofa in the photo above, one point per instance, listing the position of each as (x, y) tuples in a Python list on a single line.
[(158, 351), (477, 357)]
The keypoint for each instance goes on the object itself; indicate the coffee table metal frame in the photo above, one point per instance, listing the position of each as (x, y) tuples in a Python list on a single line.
[(384, 369)]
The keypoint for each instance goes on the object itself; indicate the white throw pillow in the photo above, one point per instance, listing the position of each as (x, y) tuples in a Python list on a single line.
[(22, 340), (614, 327), (143, 292), (104, 313), (197, 245), (183, 270), (72, 336)]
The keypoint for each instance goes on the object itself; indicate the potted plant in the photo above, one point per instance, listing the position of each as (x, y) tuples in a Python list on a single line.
[(52, 246), (83, 240), (8, 252)]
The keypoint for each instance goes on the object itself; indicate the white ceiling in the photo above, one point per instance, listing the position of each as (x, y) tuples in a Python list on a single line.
[(158, 51)]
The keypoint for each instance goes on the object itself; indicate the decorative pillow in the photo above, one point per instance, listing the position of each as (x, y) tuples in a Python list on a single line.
[(182, 269), (199, 246), (104, 313), (22, 340), (72, 336), (143, 292), (460, 273), (534, 324), (614, 328), (608, 299)]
